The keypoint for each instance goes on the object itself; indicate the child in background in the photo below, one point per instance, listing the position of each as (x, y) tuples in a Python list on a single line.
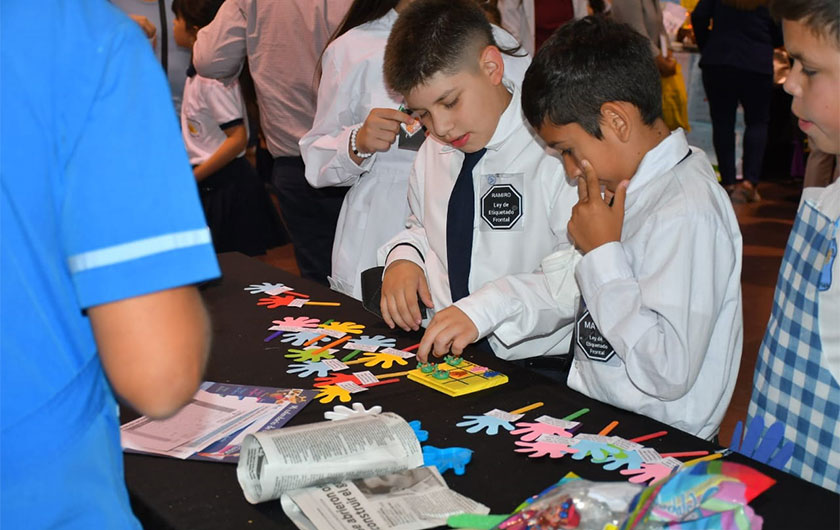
[(213, 124), (797, 373), (659, 331), (487, 203), (357, 112)]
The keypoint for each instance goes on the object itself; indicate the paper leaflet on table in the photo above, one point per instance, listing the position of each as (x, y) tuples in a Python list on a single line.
[(275, 462), (212, 425), (412, 499)]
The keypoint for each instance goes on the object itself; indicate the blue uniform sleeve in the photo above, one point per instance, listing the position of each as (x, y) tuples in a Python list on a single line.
[(131, 219)]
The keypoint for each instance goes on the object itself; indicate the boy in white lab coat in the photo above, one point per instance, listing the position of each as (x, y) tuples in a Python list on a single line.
[(356, 110), (487, 203), (659, 330)]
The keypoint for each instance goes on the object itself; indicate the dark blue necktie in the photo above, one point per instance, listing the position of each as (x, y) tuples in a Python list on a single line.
[(459, 227)]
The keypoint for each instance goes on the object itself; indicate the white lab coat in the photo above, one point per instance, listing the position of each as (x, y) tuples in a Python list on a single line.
[(375, 208), (510, 302), (667, 297), (518, 17)]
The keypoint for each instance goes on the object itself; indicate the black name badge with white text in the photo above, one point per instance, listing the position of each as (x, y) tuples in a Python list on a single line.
[(589, 339), (501, 202)]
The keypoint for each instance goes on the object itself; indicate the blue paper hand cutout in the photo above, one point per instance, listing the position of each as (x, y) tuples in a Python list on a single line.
[(299, 338), (308, 368), (376, 340), (631, 459), (421, 435), (761, 449), (477, 423), (454, 458)]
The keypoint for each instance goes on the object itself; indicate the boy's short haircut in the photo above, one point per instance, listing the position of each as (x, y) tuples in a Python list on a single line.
[(432, 36), (822, 17), (196, 13), (588, 63)]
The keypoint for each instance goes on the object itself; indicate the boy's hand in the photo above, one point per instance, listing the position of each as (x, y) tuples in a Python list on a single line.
[(379, 131), (402, 282), (451, 330), (594, 222)]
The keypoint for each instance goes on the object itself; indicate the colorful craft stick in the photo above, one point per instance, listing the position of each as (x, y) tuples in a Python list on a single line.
[(576, 415), (651, 436), (350, 356), (273, 302), (684, 454), (527, 408), (332, 344), (303, 338), (273, 336), (609, 428), (411, 348)]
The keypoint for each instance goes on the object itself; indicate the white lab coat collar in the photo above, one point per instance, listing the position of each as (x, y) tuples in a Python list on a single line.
[(662, 158)]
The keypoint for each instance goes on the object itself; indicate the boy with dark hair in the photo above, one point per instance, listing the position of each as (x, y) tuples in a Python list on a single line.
[(798, 367), (487, 203), (659, 330)]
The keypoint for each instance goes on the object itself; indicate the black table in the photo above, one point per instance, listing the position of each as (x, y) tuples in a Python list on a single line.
[(169, 493)]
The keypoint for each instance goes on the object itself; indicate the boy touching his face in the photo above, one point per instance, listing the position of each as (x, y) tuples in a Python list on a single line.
[(486, 202), (659, 329), (798, 367)]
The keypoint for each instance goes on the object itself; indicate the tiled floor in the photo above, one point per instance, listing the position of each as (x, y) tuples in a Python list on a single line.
[(765, 226)]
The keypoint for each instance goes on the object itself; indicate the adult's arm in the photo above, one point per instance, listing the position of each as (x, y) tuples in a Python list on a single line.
[(154, 347), (220, 49)]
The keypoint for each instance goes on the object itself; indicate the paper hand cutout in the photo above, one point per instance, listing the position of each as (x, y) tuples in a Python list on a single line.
[(308, 368), (273, 302), (334, 379), (446, 458), (762, 450), (385, 360), (329, 393), (307, 355), (416, 426), (532, 431), (340, 412), (647, 473), (267, 288), (477, 423), (344, 327), (376, 340), (299, 338), (596, 450), (301, 322), (631, 459), (540, 449)]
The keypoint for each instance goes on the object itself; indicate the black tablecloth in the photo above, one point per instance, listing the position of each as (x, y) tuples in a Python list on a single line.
[(169, 493)]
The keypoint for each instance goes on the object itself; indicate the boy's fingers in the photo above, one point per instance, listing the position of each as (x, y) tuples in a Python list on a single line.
[(386, 313), (425, 295), (621, 195), (394, 115), (583, 192), (593, 187)]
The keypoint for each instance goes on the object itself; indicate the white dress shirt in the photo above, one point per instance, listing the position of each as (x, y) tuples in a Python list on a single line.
[(282, 40), (510, 302), (375, 208), (667, 297)]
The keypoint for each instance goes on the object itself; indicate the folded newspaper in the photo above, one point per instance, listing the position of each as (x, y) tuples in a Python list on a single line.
[(361, 473)]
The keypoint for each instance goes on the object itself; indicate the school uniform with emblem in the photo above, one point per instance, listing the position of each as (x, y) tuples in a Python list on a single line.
[(798, 367), (234, 199), (522, 202), (659, 330), (375, 207)]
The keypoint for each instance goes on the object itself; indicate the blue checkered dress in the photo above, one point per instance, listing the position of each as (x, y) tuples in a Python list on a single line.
[(791, 383)]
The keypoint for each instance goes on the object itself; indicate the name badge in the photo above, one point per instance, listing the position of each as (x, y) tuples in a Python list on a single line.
[(501, 202), (589, 339)]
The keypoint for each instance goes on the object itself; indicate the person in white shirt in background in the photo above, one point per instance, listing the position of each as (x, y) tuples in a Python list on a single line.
[(487, 202), (355, 106), (659, 331), (282, 41)]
